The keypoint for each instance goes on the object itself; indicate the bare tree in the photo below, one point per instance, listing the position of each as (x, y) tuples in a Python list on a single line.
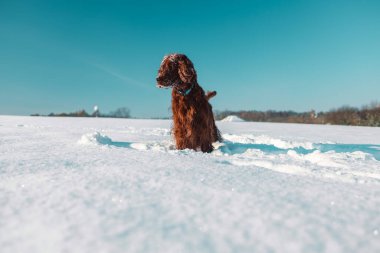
[(122, 112)]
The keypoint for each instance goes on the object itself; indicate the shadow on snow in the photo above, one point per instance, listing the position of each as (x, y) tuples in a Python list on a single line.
[(239, 148)]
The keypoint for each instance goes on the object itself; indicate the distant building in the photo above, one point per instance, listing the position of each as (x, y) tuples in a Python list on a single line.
[(96, 111)]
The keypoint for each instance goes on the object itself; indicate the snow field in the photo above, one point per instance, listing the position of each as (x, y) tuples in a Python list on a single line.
[(111, 185)]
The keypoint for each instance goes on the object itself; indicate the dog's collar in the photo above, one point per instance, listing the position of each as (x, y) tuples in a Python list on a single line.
[(183, 92)]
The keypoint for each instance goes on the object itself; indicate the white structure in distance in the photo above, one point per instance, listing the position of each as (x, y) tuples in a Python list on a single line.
[(96, 111)]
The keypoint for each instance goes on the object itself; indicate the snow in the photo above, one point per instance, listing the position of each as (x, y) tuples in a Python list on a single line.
[(119, 185), (232, 118), (95, 138)]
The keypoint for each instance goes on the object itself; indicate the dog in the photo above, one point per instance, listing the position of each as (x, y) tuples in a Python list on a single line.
[(194, 125)]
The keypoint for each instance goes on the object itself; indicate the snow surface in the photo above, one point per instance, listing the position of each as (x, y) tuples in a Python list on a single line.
[(232, 118), (119, 185)]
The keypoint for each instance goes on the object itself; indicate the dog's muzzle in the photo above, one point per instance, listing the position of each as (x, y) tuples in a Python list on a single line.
[(159, 79)]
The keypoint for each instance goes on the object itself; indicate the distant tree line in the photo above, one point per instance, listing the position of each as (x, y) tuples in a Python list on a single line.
[(366, 116), (122, 112)]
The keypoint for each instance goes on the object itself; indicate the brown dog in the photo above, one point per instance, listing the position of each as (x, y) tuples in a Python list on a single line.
[(194, 125)]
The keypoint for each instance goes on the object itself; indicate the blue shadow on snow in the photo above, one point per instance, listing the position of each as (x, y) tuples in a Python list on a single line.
[(239, 148), (120, 144)]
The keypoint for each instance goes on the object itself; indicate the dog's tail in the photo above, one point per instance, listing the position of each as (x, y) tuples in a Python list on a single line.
[(210, 94)]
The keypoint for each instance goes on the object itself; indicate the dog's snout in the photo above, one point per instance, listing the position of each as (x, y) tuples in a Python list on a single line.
[(158, 79)]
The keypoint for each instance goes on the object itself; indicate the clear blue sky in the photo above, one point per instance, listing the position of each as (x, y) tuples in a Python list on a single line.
[(61, 56)]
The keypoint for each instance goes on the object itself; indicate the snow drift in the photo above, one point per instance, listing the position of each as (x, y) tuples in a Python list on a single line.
[(232, 118), (95, 139)]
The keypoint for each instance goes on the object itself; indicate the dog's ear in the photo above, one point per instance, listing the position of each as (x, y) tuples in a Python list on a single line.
[(186, 69)]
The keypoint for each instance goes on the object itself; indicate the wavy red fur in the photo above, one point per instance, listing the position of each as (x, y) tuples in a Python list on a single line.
[(194, 125)]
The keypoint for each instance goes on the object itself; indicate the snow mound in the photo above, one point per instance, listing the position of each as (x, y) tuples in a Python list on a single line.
[(95, 138), (267, 140), (338, 162), (232, 118), (154, 145)]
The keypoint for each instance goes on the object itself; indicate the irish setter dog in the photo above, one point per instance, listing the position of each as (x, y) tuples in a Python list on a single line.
[(194, 124)]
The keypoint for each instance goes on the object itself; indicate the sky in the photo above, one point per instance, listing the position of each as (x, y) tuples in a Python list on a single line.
[(62, 56)]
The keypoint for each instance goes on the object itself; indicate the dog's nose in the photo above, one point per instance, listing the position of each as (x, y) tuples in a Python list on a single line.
[(158, 79)]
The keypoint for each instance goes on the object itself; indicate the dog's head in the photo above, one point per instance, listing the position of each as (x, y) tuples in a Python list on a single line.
[(175, 70)]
